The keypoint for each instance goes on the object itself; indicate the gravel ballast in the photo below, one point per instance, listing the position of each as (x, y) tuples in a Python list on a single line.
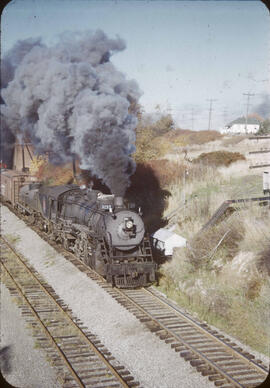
[(22, 365), (150, 361)]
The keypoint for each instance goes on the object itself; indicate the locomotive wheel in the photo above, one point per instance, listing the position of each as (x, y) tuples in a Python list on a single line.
[(31, 219), (66, 244), (98, 262)]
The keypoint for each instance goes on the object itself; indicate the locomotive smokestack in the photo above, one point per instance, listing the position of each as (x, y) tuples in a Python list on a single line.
[(118, 201), (74, 169)]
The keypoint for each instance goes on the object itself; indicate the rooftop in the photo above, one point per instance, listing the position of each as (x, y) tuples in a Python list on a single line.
[(242, 120)]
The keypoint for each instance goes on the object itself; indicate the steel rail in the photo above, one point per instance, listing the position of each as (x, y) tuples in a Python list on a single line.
[(61, 353), (259, 152), (204, 331), (93, 347), (115, 291), (183, 341)]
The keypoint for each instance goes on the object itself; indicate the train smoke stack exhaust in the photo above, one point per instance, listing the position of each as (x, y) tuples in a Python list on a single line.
[(75, 180), (71, 100)]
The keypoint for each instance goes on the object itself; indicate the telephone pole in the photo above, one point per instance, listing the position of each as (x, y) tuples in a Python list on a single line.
[(248, 104), (210, 112)]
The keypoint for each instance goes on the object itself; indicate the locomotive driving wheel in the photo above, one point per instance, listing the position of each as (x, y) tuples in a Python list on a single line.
[(98, 261)]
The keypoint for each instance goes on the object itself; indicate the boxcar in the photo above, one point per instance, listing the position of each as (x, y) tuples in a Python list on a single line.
[(12, 181)]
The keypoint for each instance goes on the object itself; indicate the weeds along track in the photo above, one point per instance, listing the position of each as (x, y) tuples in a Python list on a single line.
[(224, 362), (215, 356), (78, 356)]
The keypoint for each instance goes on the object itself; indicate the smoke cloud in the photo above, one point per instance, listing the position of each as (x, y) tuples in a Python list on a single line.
[(9, 63), (71, 100), (263, 109)]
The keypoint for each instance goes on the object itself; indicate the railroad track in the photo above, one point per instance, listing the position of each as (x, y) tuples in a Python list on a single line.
[(213, 355), (224, 362), (78, 356)]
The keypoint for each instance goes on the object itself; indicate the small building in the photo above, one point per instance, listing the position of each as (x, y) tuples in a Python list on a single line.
[(165, 240), (242, 126)]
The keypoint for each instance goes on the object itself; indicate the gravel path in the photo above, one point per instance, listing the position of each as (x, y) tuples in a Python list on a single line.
[(21, 364), (150, 361)]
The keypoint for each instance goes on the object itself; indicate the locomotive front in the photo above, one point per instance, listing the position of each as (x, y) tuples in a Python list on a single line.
[(122, 227), (127, 255)]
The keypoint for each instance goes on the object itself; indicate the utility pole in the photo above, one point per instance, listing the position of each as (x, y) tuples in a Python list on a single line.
[(210, 112), (248, 104)]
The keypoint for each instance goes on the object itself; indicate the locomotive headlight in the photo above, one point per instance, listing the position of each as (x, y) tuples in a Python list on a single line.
[(129, 224)]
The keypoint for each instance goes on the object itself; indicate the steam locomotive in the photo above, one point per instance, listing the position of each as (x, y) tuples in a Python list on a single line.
[(102, 230)]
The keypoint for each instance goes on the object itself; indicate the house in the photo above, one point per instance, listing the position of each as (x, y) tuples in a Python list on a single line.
[(165, 240), (242, 126)]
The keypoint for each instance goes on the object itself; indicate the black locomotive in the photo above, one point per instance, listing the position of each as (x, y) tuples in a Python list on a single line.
[(103, 231)]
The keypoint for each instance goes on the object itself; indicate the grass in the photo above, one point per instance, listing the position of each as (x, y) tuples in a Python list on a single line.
[(219, 158), (12, 239), (49, 263), (233, 140), (223, 274), (224, 307), (228, 284)]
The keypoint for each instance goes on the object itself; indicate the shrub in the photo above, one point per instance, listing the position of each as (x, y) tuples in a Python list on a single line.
[(219, 158), (223, 238), (150, 140), (167, 171), (54, 175), (264, 260)]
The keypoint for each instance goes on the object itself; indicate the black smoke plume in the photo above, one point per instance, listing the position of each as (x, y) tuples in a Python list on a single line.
[(71, 100), (10, 61), (263, 109)]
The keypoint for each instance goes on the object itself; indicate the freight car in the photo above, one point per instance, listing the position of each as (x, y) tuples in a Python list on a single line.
[(102, 230), (12, 181)]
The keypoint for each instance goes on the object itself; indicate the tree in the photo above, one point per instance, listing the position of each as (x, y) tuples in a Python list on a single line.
[(150, 143), (164, 125), (264, 128)]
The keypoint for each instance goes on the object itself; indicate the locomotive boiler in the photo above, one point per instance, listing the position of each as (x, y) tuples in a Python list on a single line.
[(102, 230)]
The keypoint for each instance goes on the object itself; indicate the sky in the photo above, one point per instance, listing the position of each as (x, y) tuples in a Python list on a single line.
[(181, 53)]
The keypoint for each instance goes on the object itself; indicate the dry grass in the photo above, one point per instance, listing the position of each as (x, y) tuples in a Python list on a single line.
[(166, 171), (223, 273), (233, 140), (219, 158), (183, 137), (50, 174)]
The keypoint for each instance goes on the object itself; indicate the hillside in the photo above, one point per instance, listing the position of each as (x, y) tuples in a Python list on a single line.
[(223, 273)]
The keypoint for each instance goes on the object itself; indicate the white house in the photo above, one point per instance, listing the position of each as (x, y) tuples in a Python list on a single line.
[(242, 126), (165, 240)]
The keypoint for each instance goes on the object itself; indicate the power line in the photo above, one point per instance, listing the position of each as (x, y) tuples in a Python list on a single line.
[(210, 111)]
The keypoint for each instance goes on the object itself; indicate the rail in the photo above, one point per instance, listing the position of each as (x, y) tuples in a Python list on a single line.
[(211, 353), (80, 352)]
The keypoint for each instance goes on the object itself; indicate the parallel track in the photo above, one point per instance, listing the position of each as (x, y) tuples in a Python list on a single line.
[(225, 363), (80, 358), (213, 355)]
